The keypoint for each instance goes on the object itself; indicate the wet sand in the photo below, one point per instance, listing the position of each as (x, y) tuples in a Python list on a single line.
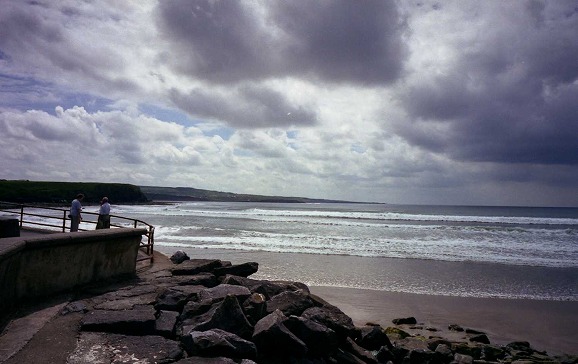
[(547, 325)]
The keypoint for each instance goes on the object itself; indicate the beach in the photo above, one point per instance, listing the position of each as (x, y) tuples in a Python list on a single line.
[(546, 324)]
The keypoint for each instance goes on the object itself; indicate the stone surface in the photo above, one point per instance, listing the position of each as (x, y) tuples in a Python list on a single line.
[(290, 303), (121, 322), (216, 342), (272, 337), (179, 256), (226, 315), (196, 266), (404, 321), (241, 270)]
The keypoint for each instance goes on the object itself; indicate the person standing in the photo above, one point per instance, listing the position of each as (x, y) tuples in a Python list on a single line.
[(103, 214), (75, 215)]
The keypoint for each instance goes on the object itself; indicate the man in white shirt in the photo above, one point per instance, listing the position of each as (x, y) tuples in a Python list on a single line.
[(104, 214), (75, 209)]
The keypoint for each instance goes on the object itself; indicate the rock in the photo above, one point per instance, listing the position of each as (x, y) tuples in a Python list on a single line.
[(519, 345), (175, 298), (113, 348), (241, 270), (420, 356), (202, 279), (373, 338), (203, 360), (194, 308), (493, 353), (397, 333), (345, 357), (290, 303), (74, 307), (221, 291), (481, 338), (454, 327), (474, 332), (474, 351), (273, 338), (179, 256), (318, 338), (462, 359), (384, 355), (351, 347), (434, 343), (255, 307), (404, 321), (333, 318), (226, 315), (216, 342), (141, 322), (165, 323), (444, 353), (196, 266)]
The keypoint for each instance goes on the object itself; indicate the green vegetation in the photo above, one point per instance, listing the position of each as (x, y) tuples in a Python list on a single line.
[(195, 194), (28, 192), (23, 191)]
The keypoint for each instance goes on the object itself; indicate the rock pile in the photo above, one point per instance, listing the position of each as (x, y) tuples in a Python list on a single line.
[(209, 311)]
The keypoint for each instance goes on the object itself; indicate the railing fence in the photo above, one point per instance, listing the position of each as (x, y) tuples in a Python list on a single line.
[(56, 219)]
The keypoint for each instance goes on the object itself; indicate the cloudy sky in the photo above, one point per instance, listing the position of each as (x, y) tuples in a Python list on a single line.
[(450, 102)]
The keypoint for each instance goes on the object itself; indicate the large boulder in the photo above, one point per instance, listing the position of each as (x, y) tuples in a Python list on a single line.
[(196, 266), (255, 307), (216, 342), (290, 303), (226, 315), (318, 338), (175, 298), (166, 322), (221, 291), (130, 322), (241, 270), (373, 337), (179, 256), (333, 318), (273, 338)]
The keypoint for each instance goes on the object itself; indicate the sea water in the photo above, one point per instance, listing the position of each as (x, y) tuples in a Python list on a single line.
[(506, 252)]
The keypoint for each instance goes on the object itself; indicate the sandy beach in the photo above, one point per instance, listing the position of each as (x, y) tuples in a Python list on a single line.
[(547, 325)]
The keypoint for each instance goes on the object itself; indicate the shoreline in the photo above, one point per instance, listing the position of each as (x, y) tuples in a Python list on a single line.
[(547, 325)]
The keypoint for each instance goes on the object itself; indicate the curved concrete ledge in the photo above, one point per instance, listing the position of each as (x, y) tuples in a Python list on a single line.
[(44, 265)]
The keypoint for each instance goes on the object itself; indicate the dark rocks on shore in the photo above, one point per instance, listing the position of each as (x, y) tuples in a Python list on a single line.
[(209, 311)]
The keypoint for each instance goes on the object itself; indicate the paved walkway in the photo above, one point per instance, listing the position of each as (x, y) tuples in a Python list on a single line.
[(39, 333)]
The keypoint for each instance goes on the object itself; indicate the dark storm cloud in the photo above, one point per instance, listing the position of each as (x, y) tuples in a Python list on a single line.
[(331, 41), (512, 98), (250, 106)]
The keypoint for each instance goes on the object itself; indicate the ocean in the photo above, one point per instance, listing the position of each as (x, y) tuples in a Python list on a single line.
[(501, 252)]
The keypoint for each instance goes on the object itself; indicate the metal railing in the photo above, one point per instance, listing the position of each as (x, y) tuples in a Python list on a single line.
[(56, 220)]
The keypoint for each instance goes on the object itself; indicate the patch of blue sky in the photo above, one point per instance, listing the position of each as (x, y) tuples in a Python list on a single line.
[(357, 148), (243, 153), (166, 114), (29, 93), (179, 117)]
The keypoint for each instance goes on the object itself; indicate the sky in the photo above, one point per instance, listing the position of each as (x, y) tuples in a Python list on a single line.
[(411, 102)]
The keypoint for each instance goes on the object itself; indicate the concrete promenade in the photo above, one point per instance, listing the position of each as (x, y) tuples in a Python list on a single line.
[(39, 331)]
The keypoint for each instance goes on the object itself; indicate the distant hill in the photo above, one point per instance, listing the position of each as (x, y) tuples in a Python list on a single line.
[(195, 194), (28, 192), (23, 191)]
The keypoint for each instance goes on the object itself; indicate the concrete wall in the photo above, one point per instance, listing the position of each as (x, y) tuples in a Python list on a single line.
[(48, 264)]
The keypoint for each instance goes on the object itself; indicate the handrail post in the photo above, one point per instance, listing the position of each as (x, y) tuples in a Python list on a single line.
[(64, 221)]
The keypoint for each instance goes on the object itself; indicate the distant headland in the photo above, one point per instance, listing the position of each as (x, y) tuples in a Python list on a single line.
[(25, 191)]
